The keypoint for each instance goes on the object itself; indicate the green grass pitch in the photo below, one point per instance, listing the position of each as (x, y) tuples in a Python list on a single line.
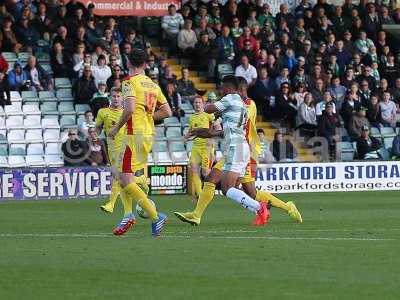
[(347, 248)]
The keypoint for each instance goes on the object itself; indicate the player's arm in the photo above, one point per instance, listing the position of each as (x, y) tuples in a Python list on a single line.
[(164, 111), (99, 122), (206, 133), (129, 108), (210, 108)]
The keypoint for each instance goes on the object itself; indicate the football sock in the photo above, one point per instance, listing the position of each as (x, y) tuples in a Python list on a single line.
[(115, 191), (135, 192), (196, 184), (243, 199), (205, 197), (264, 196), (126, 202)]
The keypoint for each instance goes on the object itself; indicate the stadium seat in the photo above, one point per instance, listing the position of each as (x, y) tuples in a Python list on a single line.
[(16, 136), (384, 153), (10, 57), (218, 155), (172, 122), (3, 162), (15, 122), (173, 133), (53, 149), (64, 95), (16, 161), (35, 161), (49, 108), (2, 112), (47, 68), (32, 122), (223, 70), (15, 96), (176, 147), (3, 150), (185, 130), (66, 109), (43, 57), (375, 132), (387, 132), (179, 157), (347, 151), (50, 123), (17, 149), (51, 135), (68, 122), (160, 134), (30, 97), (35, 149), (2, 122), (53, 160), (33, 136), (47, 96), (160, 146), (388, 143), (3, 136), (30, 109), (62, 83), (344, 134), (23, 56), (150, 160), (162, 158), (189, 145), (184, 122), (81, 108), (13, 110)]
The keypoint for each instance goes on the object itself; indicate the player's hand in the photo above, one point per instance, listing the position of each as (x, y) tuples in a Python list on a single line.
[(113, 132), (94, 164), (188, 135)]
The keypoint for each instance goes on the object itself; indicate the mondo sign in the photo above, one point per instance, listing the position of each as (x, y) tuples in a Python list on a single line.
[(168, 179)]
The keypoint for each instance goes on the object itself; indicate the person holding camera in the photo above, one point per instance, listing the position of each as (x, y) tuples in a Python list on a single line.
[(18, 78)]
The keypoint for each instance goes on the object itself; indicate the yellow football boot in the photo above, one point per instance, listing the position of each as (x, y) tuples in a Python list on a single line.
[(188, 217), (294, 212)]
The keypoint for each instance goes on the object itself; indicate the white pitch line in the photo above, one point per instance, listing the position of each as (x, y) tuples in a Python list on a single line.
[(79, 235)]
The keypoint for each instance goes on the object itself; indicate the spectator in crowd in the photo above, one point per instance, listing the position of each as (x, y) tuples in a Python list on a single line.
[(185, 87), (366, 144), (4, 90), (246, 70), (3, 63), (99, 99), (168, 77), (116, 75), (265, 155), (97, 154), (282, 149), (26, 33), (9, 40), (74, 150), (337, 91), (64, 39), (205, 55), (39, 78), (307, 117), (374, 112), (328, 126), (262, 90), (396, 147), (388, 111), (286, 106), (187, 39), (171, 24), (18, 79), (203, 28), (321, 106), (101, 72), (174, 100), (84, 87), (357, 122), (60, 61), (87, 122), (225, 46)]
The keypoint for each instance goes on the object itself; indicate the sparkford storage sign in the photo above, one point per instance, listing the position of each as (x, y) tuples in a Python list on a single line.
[(329, 177)]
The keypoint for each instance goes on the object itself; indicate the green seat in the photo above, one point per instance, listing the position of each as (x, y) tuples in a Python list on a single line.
[(64, 95), (43, 57), (24, 56), (62, 83), (66, 108), (81, 108), (30, 96), (375, 132), (49, 108), (387, 132), (160, 146), (3, 150), (47, 96), (68, 121)]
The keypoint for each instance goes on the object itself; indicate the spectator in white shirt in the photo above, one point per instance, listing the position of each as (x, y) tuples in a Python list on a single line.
[(320, 107), (187, 38), (85, 124), (246, 70), (171, 24), (101, 72), (388, 110)]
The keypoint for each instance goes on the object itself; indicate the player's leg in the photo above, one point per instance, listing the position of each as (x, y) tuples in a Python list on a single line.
[(195, 163), (115, 192), (205, 197), (235, 168), (134, 160), (289, 207)]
